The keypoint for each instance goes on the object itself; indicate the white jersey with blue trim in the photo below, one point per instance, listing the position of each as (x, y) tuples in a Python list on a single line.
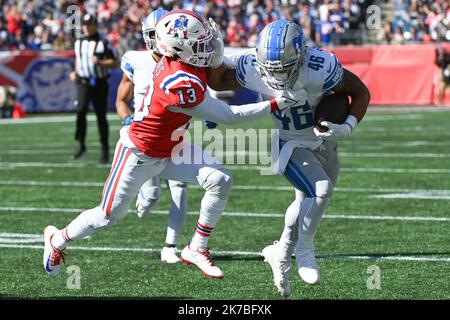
[(319, 73), (138, 66)]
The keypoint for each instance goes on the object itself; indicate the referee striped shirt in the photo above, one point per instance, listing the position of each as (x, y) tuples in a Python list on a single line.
[(85, 49)]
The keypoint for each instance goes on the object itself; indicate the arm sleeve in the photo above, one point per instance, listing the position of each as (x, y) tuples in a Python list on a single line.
[(218, 111)]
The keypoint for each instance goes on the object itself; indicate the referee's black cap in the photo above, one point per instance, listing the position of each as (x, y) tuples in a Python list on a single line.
[(89, 19)]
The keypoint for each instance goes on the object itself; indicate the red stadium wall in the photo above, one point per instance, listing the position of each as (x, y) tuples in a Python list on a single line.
[(395, 74)]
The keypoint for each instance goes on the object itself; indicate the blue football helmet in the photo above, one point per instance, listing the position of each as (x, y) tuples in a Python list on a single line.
[(149, 26), (281, 49)]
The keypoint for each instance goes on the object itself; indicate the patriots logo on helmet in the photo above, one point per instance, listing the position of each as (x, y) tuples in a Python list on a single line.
[(179, 29)]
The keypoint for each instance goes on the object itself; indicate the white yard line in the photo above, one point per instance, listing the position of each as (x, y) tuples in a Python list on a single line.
[(53, 119), (246, 153), (49, 165), (243, 214), (443, 192), (237, 253)]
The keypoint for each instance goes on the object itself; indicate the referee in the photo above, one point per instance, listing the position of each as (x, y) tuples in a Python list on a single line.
[(93, 59)]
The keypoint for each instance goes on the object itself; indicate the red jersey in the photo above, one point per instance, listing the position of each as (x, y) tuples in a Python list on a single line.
[(174, 84)]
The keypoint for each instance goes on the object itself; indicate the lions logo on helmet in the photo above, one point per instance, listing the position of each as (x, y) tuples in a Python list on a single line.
[(280, 53), (185, 35), (179, 27)]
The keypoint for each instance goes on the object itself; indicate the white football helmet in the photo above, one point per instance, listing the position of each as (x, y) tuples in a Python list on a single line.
[(280, 51), (186, 35), (149, 25)]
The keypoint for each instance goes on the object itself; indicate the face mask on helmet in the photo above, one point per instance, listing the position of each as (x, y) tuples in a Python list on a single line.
[(203, 51), (149, 39), (278, 76)]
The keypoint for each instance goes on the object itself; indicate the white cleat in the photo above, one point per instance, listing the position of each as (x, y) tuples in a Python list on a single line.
[(52, 258), (307, 267), (168, 254), (280, 269), (203, 260)]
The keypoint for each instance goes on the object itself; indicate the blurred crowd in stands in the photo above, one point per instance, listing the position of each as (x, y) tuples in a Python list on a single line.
[(418, 21), (39, 24)]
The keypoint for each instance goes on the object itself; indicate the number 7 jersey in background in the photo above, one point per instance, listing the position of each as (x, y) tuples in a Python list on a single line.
[(318, 74), (156, 130)]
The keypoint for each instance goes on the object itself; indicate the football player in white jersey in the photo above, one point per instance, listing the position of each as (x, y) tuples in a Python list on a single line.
[(138, 67), (306, 157)]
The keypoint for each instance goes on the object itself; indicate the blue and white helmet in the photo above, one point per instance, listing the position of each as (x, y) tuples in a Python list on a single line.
[(280, 52), (149, 26)]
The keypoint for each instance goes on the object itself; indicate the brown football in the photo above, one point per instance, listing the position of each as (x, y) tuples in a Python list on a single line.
[(334, 107)]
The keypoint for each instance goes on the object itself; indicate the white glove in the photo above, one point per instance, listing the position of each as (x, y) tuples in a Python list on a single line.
[(291, 98), (218, 47), (336, 131)]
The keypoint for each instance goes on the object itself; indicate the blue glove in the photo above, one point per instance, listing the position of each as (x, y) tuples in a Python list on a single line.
[(210, 124), (127, 121)]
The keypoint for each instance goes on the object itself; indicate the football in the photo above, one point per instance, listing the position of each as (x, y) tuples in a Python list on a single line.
[(334, 108)]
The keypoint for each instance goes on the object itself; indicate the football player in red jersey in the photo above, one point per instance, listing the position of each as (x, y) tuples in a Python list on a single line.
[(153, 145)]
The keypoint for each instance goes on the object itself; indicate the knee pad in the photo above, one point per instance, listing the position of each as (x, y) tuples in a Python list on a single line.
[(324, 188), (218, 183)]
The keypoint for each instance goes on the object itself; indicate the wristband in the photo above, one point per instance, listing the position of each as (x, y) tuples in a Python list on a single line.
[(273, 105), (351, 121), (127, 121)]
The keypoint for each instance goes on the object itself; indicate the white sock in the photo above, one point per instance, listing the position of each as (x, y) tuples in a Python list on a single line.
[(83, 225), (177, 214), (289, 236), (211, 210), (311, 213)]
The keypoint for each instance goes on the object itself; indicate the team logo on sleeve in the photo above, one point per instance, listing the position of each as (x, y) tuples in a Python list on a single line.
[(179, 29)]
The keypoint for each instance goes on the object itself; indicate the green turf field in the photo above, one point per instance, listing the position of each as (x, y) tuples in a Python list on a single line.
[(391, 209)]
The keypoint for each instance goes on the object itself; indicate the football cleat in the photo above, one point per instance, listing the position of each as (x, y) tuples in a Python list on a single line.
[(202, 259), (52, 258), (307, 267), (168, 254), (280, 269)]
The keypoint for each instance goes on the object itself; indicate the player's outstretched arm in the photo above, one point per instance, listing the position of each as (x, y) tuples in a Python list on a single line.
[(218, 111), (124, 93)]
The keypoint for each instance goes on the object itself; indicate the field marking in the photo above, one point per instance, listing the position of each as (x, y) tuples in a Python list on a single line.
[(238, 253), (113, 116), (243, 214), (53, 119), (443, 192), (404, 143), (56, 165), (413, 195), (246, 153)]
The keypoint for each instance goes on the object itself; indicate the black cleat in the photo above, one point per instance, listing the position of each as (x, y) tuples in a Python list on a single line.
[(79, 151), (105, 156)]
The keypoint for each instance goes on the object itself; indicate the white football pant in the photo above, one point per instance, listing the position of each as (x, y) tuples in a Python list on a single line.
[(313, 174), (131, 169)]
